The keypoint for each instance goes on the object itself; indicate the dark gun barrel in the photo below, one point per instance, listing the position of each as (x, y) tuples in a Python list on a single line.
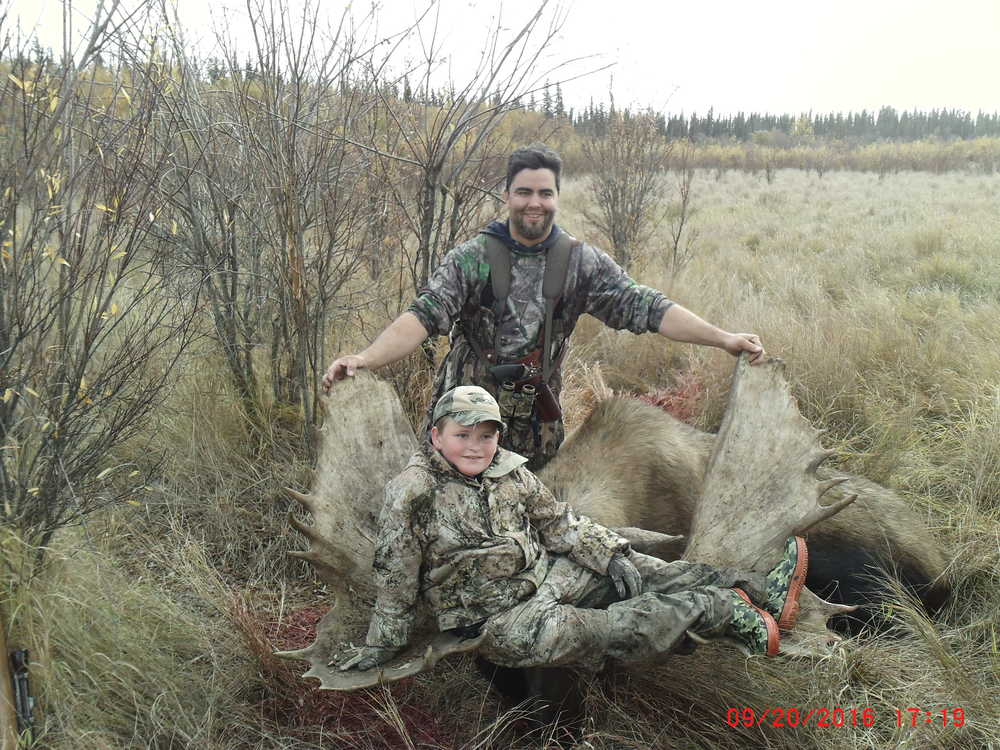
[(23, 702)]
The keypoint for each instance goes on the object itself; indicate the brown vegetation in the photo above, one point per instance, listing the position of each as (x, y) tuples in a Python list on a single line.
[(226, 237)]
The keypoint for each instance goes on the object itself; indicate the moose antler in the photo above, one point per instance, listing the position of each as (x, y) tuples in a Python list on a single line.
[(365, 440), (761, 487)]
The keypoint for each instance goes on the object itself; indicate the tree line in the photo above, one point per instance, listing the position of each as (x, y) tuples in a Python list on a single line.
[(862, 127)]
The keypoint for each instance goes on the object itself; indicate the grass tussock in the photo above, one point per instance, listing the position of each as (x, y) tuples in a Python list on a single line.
[(116, 662), (156, 628)]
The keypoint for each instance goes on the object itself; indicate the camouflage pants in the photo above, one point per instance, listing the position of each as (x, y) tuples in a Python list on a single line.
[(563, 625)]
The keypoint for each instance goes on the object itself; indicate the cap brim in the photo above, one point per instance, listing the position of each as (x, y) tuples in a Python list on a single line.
[(469, 418)]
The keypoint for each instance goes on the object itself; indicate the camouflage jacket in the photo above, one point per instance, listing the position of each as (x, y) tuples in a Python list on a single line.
[(594, 284), (458, 302), (471, 547)]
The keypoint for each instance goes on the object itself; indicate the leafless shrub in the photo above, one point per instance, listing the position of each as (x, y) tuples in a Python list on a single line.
[(273, 205), (682, 235), (627, 182), (89, 333)]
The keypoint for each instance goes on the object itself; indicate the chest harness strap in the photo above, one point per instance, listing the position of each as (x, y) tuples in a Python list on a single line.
[(556, 267)]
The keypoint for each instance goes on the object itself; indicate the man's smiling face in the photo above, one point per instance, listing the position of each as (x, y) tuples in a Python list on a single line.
[(532, 202)]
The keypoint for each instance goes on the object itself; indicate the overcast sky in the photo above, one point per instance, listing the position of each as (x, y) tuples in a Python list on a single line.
[(776, 55)]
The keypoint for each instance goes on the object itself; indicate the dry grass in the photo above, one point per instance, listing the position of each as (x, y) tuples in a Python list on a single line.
[(881, 295)]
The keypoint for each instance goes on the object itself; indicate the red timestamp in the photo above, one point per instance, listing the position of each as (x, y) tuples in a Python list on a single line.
[(794, 716), (914, 717)]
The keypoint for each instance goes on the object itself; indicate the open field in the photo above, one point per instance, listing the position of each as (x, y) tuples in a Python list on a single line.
[(154, 622)]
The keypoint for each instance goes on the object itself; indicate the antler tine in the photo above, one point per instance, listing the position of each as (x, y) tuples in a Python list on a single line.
[(811, 636), (822, 512), (823, 487), (819, 459), (302, 498), (304, 529)]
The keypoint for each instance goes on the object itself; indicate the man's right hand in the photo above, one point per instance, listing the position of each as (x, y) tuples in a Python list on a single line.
[(343, 367)]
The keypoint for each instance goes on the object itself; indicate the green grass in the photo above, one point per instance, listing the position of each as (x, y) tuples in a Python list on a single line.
[(882, 296)]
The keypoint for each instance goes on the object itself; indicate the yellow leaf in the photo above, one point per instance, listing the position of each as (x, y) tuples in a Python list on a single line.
[(6, 193), (6, 254), (31, 391), (8, 395), (134, 473), (173, 225), (34, 490), (114, 308), (63, 261), (134, 502), (53, 104), (102, 207), (105, 472), (17, 81), (118, 255)]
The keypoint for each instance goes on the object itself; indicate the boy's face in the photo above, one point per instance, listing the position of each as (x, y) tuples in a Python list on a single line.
[(470, 449)]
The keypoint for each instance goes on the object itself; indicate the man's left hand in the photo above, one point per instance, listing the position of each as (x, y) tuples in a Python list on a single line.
[(746, 342), (623, 574)]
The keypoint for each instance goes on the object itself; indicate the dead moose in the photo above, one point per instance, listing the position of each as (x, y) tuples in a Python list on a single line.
[(735, 497)]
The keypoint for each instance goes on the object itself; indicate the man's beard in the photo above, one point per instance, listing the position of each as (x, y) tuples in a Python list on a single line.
[(533, 232)]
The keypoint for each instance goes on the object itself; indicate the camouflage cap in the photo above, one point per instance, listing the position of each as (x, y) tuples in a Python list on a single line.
[(468, 405)]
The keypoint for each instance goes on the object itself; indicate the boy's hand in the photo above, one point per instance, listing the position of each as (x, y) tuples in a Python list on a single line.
[(628, 582), (367, 657)]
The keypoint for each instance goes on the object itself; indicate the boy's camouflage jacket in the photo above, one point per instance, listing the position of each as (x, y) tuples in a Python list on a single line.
[(472, 548)]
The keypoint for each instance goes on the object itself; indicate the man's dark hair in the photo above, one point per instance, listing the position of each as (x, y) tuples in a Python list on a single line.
[(535, 156)]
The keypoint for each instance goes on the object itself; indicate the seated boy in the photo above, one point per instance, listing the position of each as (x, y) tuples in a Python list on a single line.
[(492, 551)]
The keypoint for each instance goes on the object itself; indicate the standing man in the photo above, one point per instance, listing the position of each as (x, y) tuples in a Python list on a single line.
[(488, 328)]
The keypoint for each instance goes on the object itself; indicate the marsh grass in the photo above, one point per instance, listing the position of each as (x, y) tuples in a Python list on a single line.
[(881, 295)]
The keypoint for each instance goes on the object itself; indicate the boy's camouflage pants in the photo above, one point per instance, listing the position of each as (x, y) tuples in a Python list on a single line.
[(560, 624)]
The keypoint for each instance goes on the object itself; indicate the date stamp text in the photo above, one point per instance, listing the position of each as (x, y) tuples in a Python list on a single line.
[(794, 716)]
